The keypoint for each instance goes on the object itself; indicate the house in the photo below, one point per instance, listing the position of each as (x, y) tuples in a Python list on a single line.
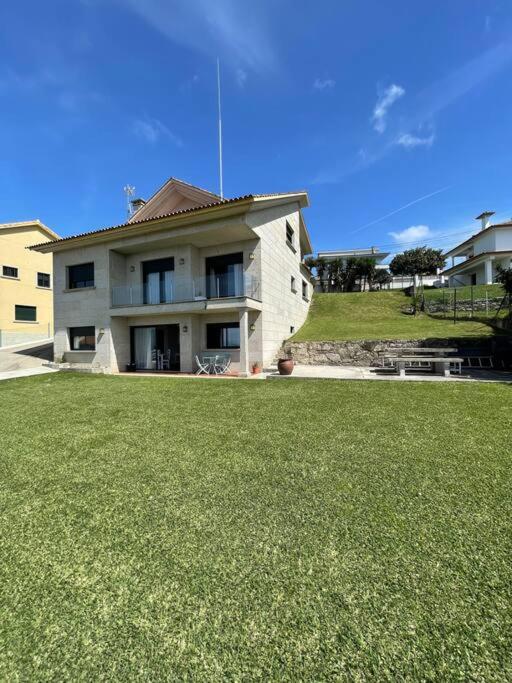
[(188, 273), (475, 261), (26, 306), (397, 282)]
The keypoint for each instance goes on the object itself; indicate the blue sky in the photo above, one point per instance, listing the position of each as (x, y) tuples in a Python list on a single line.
[(371, 106)]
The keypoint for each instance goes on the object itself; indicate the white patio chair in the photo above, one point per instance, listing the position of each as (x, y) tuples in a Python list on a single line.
[(203, 366), (222, 363)]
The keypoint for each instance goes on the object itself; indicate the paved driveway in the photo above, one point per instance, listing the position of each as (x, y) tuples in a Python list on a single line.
[(24, 360)]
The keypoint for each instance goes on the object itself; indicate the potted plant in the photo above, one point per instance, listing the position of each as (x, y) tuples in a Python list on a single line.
[(285, 365), (256, 368)]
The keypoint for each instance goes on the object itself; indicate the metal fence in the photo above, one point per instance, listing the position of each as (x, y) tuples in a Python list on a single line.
[(475, 302)]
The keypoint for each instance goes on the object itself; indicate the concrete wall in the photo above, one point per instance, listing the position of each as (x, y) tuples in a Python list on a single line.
[(282, 308)]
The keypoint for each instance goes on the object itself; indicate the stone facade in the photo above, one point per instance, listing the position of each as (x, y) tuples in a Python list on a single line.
[(355, 353)]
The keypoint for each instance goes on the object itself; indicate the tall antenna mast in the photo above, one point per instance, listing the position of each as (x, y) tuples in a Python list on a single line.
[(220, 130), (128, 190)]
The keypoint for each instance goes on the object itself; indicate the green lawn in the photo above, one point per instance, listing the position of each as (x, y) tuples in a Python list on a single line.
[(173, 529), (378, 315), (464, 293)]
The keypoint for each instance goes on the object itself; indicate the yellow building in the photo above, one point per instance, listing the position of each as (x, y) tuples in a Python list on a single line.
[(26, 283)]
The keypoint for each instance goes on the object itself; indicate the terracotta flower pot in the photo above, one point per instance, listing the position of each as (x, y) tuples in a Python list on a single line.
[(256, 369), (285, 366)]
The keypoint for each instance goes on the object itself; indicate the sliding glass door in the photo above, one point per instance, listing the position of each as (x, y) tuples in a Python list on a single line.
[(158, 280), (156, 348)]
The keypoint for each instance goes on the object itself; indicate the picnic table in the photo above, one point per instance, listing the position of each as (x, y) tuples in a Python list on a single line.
[(434, 358)]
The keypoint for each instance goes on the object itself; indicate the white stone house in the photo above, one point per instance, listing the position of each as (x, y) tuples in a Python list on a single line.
[(189, 273), (475, 261)]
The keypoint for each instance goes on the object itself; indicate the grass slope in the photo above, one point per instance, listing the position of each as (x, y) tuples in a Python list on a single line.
[(167, 529), (377, 315), (464, 293)]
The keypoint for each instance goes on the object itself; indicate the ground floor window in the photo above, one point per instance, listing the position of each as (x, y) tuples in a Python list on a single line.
[(43, 280), (25, 313), (82, 338), (223, 336)]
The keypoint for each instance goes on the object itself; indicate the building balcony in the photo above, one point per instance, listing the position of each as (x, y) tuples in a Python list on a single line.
[(175, 295)]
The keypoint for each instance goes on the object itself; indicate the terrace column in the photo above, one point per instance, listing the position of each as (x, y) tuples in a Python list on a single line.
[(244, 343), (488, 272)]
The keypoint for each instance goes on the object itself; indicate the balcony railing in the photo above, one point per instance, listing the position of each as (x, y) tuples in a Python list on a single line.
[(181, 290)]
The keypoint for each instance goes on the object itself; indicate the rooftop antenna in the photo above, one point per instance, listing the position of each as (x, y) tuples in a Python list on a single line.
[(220, 130), (128, 190)]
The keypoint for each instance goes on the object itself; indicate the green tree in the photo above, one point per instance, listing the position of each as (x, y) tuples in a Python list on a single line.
[(417, 263), (382, 277), (504, 277)]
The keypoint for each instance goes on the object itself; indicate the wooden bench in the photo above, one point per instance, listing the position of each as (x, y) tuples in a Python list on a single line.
[(418, 353), (440, 365)]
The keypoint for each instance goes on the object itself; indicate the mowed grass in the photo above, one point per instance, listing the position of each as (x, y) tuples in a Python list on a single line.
[(464, 293), (171, 529), (378, 315)]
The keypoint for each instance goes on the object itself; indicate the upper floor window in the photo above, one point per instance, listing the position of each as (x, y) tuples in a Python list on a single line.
[(158, 279), (290, 235), (43, 280), (225, 275), (25, 313), (82, 338), (293, 285), (304, 290), (9, 271), (81, 276)]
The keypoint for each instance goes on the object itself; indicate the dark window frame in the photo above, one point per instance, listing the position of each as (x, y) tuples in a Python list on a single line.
[(293, 284), (290, 237), (40, 279), (82, 331), (73, 282), (6, 274), (305, 290), (26, 308), (216, 329), (219, 265)]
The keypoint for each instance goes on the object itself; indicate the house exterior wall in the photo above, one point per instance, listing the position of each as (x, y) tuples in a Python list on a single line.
[(24, 289), (282, 308), (266, 257)]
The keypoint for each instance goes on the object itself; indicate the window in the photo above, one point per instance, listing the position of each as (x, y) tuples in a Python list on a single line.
[(223, 336), (289, 234), (293, 285), (225, 275), (43, 280), (292, 329), (81, 276), (158, 279), (82, 338), (9, 271), (25, 313), (304, 290)]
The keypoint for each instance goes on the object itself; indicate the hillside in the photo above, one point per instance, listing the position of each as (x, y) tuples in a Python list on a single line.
[(377, 315)]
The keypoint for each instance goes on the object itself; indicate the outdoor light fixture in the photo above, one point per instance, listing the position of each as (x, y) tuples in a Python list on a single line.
[(252, 327), (185, 328), (102, 331), (251, 256), (132, 269), (182, 261)]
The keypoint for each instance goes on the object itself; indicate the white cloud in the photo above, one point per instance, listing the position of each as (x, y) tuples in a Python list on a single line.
[(410, 141), (219, 28), (386, 100), (241, 77), (152, 131), (324, 84), (414, 233)]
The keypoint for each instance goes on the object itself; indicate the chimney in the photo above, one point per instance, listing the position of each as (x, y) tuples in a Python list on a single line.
[(485, 218), (136, 204)]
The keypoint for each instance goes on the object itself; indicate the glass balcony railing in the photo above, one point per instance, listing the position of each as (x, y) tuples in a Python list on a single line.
[(180, 290)]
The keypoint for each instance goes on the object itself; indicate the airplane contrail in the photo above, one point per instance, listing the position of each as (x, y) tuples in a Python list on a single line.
[(405, 206)]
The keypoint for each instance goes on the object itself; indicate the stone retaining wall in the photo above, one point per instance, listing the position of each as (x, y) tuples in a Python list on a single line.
[(464, 305), (358, 353)]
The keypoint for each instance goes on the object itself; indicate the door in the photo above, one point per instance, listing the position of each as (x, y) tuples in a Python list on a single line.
[(224, 276), (158, 281), (156, 348)]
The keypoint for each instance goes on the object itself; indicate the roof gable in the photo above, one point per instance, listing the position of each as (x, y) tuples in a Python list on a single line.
[(174, 195), (31, 226)]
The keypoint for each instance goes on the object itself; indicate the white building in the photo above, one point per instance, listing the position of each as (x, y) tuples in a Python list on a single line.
[(189, 273), (475, 261)]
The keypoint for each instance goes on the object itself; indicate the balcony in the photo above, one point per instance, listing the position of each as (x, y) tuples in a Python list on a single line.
[(195, 291)]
